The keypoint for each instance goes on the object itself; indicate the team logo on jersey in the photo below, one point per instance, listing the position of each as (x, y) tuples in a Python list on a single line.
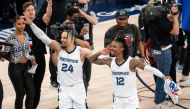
[(128, 40)]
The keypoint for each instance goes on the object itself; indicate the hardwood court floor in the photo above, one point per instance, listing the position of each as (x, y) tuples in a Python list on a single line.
[(100, 89)]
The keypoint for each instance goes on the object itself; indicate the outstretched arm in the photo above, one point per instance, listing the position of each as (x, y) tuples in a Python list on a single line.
[(42, 36), (137, 64)]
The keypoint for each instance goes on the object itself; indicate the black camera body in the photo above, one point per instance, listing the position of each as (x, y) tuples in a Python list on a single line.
[(74, 3), (58, 28), (153, 11), (5, 55), (2, 53)]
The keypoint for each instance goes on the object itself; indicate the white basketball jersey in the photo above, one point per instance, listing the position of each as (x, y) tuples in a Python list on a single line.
[(124, 81), (69, 67)]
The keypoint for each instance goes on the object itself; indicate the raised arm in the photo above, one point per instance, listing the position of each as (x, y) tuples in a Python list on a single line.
[(101, 61), (47, 15), (91, 18), (42, 36)]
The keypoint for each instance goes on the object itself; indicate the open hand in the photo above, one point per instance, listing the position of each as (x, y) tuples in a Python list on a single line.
[(105, 51)]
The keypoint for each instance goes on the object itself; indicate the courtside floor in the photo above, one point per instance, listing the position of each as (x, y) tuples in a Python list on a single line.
[(100, 88)]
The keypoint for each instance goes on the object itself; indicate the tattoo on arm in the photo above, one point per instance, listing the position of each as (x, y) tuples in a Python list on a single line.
[(94, 57)]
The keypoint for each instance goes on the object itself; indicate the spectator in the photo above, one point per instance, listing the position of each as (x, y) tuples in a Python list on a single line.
[(130, 31), (38, 48), (22, 80)]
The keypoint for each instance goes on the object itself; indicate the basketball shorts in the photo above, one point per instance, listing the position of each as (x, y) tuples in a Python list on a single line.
[(131, 102), (72, 97)]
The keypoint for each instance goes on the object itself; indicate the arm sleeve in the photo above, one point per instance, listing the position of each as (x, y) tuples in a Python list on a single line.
[(40, 34), (154, 71)]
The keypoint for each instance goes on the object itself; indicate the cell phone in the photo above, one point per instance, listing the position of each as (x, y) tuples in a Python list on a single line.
[(86, 25)]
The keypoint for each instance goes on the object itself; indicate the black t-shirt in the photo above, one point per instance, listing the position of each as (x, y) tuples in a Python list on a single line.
[(58, 14), (159, 31), (38, 47), (131, 30), (79, 25)]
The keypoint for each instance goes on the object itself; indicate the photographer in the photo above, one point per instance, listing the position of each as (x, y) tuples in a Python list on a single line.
[(160, 31), (73, 15), (84, 25)]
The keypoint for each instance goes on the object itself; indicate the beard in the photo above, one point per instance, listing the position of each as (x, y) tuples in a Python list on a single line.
[(63, 46)]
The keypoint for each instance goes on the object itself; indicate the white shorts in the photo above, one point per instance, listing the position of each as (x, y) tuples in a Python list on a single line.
[(72, 97), (126, 102)]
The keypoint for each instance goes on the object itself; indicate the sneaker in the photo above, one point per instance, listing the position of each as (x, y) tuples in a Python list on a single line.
[(184, 83), (54, 84), (164, 105)]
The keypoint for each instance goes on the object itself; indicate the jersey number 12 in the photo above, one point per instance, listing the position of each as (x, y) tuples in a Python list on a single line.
[(120, 80)]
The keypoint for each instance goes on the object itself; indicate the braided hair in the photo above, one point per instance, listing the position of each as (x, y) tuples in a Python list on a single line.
[(121, 39)]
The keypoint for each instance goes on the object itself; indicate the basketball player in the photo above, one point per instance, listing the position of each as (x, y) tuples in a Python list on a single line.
[(123, 69), (69, 59)]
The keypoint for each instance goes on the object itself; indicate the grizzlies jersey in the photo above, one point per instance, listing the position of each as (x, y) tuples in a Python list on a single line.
[(69, 67), (124, 81)]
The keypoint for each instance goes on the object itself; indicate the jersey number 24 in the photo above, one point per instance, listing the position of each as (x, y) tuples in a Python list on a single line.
[(66, 67)]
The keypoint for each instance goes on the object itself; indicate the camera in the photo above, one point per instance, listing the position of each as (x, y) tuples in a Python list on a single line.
[(74, 3), (2, 53), (58, 28), (157, 10)]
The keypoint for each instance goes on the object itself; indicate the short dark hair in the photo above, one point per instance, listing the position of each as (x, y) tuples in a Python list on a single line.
[(15, 19), (71, 11), (26, 5)]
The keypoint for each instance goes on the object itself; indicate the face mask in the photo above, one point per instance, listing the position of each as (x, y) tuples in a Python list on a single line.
[(85, 8)]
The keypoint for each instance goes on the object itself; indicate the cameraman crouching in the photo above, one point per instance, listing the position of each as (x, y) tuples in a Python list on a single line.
[(161, 30)]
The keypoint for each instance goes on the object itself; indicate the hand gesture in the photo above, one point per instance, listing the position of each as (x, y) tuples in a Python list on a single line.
[(27, 20), (105, 51), (34, 62)]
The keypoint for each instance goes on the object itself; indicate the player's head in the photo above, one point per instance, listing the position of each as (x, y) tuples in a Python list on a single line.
[(67, 39), (119, 47), (122, 18), (29, 10)]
